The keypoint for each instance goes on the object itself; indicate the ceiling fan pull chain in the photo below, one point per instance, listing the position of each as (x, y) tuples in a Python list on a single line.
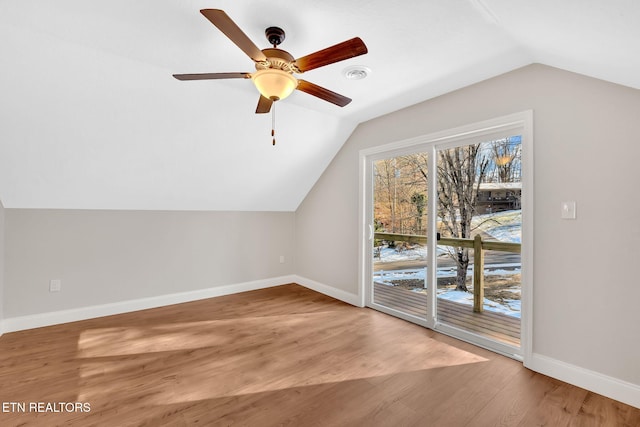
[(273, 123)]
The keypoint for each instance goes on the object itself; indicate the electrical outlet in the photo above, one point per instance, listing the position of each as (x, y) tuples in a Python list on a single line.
[(281, 259), (55, 285)]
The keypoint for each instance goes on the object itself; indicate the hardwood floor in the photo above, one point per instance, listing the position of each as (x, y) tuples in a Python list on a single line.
[(278, 356)]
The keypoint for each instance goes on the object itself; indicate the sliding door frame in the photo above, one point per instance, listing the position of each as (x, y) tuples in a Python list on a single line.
[(520, 123)]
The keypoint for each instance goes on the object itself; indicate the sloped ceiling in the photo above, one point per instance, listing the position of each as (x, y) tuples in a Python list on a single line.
[(90, 117)]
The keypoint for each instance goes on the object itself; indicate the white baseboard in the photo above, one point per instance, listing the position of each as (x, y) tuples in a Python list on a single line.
[(596, 382), (56, 317), (339, 294)]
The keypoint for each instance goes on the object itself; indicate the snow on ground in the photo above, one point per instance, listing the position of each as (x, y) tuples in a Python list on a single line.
[(388, 254), (386, 276), (507, 307), (417, 252), (503, 226)]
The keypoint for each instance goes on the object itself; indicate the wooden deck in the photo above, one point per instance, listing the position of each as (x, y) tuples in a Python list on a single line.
[(492, 325)]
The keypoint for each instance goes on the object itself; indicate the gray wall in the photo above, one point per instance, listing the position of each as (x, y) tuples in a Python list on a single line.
[(1, 264), (586, 144), (112, 256)]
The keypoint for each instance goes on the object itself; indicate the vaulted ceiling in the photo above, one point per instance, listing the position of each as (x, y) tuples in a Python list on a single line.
[(91, 118)]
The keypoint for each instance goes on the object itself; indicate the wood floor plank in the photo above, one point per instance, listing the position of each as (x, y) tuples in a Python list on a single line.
[(279, 356)]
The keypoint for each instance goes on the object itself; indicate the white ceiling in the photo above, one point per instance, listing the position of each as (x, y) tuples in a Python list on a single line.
[(90, 117)]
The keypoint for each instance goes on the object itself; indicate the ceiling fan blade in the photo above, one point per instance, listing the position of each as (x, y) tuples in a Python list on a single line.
[(221, 20), (340, 52), (264, 105), (322, 93), (211, 76)]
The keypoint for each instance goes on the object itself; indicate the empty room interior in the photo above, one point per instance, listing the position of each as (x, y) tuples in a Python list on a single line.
[(438, 227)]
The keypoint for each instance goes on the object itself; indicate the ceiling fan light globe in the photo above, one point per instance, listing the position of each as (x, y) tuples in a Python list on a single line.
[(274, 84)]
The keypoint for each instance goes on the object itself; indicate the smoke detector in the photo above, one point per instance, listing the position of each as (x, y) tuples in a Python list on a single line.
[(356, 72)]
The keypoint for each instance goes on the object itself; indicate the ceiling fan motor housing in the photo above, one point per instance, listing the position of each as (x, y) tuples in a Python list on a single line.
[(278, 59)]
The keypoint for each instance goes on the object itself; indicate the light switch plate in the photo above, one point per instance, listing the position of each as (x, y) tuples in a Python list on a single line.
[(568, 210)]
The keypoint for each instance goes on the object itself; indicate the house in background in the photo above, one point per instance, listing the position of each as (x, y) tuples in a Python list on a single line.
[(135, 190), (498, 196)]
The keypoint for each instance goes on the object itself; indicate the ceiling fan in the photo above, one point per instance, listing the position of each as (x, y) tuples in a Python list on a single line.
[(275, 67)]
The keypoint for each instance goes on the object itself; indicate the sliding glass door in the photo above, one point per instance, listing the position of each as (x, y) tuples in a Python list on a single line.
[(444, 219), (479, 221)]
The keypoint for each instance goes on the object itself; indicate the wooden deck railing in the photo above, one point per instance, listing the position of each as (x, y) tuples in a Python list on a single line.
[(477, 244)]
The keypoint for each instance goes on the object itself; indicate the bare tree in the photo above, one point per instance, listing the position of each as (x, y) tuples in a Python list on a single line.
[(395, 185), (385, 197), (460, 172)]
